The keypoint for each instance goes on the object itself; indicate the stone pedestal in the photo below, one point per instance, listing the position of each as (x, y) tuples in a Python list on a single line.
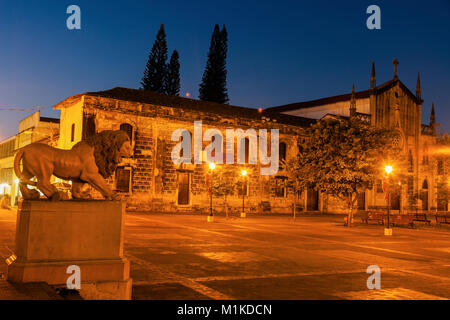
[(51, 236)]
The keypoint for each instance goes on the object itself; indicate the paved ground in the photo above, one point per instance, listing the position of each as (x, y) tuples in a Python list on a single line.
[(184, 257)]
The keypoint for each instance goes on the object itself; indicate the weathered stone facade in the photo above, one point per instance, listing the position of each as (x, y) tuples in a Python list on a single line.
[(155, 181)]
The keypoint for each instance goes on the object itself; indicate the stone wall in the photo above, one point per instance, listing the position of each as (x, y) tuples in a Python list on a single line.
[(154, 179)]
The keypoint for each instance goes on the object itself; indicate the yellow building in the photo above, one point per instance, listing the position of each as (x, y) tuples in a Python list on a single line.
[(33, 128)]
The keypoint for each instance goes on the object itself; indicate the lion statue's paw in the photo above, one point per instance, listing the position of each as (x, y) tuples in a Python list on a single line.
[(31, 194), (116, 197)]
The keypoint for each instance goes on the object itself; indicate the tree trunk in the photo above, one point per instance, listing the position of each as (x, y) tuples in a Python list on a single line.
[(350, 211), (294, 207), (351, 203), (350, 216)]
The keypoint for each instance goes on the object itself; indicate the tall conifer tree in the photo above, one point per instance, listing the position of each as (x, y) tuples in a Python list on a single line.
[(155, 71), (172, 86), (214, 81)]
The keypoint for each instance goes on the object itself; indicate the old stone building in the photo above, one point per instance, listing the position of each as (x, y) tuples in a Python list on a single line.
[(151, 180), (389, 105)]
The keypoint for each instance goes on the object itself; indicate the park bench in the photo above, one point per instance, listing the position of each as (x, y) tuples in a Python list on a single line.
[(402, 219), (442, 218), (421, 217), (377, 216), (265, 207)]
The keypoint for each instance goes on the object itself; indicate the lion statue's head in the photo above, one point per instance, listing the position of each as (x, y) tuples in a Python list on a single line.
[(109, 148)]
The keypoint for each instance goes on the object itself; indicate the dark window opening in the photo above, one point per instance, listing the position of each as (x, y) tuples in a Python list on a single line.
[(183, 188), (247, 149), (72, 134), (280, 187), (89, 126)]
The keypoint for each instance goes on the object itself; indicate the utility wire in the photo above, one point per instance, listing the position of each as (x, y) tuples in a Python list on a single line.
[(23, 109)]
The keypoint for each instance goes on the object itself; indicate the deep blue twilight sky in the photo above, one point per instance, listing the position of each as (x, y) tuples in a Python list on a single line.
[(279, 51)]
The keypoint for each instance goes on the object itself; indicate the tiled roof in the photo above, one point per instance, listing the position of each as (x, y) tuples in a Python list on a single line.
[(159, 99)]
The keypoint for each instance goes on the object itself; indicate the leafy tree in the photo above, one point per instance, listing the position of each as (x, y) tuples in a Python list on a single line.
[(224, 183), (155, 71), (172, 85), (344, 157), (214, 81)]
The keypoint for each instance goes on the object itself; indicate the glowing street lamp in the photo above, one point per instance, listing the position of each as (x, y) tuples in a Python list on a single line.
[(388, 169), (243, 174), (212, 166)]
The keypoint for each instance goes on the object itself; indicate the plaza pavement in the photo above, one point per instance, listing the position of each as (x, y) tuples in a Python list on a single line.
[(175, 256)]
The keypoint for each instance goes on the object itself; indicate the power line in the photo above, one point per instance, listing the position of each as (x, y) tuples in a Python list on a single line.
[(23, 109)]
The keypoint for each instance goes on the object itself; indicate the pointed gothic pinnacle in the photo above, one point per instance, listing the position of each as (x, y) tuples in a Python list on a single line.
[(433, 115), (396, 63), (353, 102), (418, 89), (373, 78)]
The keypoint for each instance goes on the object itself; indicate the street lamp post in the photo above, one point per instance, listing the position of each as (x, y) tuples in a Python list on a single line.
[(243, 173), (388, 230), (212, 166)]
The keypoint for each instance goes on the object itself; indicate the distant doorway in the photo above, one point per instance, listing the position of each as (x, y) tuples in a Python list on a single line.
[(312, 200), (362, 201), (183, 188)]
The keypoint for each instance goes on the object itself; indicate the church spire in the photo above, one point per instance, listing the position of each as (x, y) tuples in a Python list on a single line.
[(433, 119), (396, 63), (432, 115), (373, 78), (353, 102), (418, 90)]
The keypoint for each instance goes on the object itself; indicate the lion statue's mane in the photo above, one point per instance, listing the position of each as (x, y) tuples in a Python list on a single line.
[(107, 146)]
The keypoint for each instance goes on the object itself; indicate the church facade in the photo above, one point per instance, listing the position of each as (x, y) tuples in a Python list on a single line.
[(389, 105)]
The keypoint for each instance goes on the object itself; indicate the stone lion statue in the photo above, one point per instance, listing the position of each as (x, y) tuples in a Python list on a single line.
[(90, 161)]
